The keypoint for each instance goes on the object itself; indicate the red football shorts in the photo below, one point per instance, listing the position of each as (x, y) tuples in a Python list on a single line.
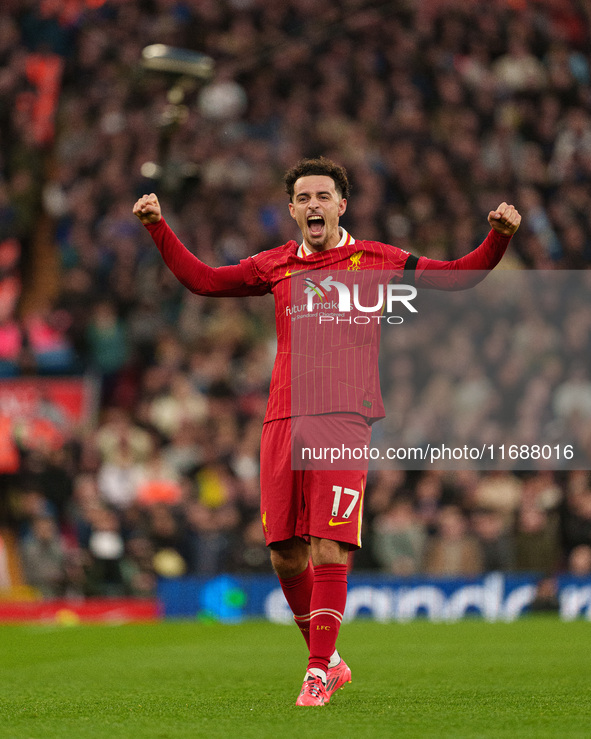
[(322, 498)]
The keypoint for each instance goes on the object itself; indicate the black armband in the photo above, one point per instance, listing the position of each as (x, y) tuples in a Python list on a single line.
[(409, 269)]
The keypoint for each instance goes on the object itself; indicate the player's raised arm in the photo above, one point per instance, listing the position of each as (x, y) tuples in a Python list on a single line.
[(232, 281), (467, 271), (147, 209)]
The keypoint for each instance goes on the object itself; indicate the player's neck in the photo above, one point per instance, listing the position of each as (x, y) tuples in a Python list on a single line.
[(306, 249)]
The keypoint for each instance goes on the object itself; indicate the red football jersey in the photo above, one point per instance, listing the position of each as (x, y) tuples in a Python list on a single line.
[(324, 367)]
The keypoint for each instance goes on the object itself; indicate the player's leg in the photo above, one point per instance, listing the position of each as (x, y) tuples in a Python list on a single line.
[(334, 502), (330, 576), (329, 595), (291, 562), (280, 509), (327, 605), (307, 588)]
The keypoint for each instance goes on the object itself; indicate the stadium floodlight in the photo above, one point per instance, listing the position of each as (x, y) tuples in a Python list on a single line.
[(163, 58), (188, 70)]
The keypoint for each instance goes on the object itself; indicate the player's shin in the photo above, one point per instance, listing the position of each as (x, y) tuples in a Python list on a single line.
[(298, 593), (329, 597)]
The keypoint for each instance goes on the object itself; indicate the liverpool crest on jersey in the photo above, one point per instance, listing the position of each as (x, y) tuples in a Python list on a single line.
[(355, 259)]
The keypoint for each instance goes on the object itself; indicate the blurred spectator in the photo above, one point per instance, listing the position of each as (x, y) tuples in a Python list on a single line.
[(106, 572), (119, 430), (119, 477), (184, 453), (210, 538), (429, 499), (579, 561), (573, 396), (49, 343), (496, 543), (398, 539), (108, 348), (142, 570), (385, 486), (84, 502), (28, 505), (537, 547), (498, 491), (172, 554), (51, 472), (452, 550), (519, 70), (181, 404), (156, 482), (576, 521), (44, 558), (546, 597), (572, 150)]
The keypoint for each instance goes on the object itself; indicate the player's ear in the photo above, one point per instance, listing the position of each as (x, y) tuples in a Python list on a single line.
[(342, 206), (291, 210)]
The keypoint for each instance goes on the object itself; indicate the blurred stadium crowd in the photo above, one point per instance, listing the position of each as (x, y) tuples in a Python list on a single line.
[(439, 110)]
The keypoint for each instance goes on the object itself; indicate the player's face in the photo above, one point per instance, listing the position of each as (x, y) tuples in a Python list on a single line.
[(316, 208)]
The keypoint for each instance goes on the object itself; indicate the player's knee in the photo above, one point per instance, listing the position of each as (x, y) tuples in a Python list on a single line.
[(289, 558), (326, 551)]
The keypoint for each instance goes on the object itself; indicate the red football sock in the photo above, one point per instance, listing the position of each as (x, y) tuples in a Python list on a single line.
[(327, 606), (298, 593)]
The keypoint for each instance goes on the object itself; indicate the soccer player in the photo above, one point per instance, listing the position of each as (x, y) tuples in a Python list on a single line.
[(312, 516)]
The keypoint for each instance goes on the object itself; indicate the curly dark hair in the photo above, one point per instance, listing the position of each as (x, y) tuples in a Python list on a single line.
[(321, 166)]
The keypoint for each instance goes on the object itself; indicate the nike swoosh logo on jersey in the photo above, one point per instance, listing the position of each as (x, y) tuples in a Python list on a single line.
[(337, 523), (297, 272)]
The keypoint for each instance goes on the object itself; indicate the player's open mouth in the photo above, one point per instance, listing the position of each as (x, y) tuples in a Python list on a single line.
[(315, 225)]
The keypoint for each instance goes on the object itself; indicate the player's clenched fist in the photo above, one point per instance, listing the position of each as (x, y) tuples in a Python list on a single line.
[(147, 209), (505, 219)]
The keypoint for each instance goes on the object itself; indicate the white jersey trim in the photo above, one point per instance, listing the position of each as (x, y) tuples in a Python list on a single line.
[(303, 250)]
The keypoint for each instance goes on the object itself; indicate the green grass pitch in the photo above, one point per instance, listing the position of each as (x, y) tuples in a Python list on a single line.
[(530, 678)]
